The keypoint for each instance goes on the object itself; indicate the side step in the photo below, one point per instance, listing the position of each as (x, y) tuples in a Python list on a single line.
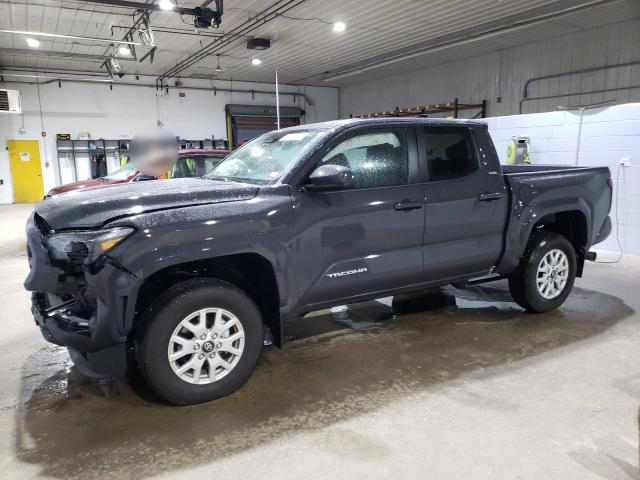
[(478, 281)]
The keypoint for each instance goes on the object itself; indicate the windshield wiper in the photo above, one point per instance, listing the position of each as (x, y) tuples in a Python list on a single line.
[(225, 179), (251, 181)]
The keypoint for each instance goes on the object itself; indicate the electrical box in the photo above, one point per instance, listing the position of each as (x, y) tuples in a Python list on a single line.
[(518, 150), (10, 101)]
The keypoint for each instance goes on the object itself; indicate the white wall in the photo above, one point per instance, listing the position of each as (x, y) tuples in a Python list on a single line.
[(606, 135), (125, 110), (503, 74)]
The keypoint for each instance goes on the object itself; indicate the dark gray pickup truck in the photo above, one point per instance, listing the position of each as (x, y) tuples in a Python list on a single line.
[(181, 278)]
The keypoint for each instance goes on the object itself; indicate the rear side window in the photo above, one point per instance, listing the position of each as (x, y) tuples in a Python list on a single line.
[(377, 159), (450, 153)]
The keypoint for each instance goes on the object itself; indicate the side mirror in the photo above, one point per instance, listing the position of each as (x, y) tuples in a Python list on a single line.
[(330, 177)]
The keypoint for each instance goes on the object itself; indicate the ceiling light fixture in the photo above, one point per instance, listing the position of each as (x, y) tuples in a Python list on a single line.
[(124, 50), (258, 43), (218, 67), (115, 65), (339, 27), (71, 37), (32, 42), (166, 5), (256, 61)]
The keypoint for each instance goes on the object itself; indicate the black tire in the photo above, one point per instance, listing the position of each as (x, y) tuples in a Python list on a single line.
[(163, 317), (523, 281)]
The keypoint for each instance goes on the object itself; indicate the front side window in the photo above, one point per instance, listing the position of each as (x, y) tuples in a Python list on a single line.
[(449, 153), (377, 159)]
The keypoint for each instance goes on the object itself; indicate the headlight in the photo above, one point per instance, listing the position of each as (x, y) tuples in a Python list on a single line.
[(82, 245)]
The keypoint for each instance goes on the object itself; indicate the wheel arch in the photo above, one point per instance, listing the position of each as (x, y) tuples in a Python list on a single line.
[(571, 224), (572, 220), (249, 271)]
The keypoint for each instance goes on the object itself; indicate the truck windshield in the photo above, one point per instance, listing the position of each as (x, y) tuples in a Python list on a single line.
[(266, 158)]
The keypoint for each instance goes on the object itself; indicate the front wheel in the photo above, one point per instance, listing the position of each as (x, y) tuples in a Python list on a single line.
[(202, 342), (546, 273)]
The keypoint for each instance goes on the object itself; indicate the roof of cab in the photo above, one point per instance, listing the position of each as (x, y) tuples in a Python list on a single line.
[(350, 122)]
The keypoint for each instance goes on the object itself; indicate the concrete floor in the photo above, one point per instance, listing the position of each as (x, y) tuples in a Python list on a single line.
[(450, 384)]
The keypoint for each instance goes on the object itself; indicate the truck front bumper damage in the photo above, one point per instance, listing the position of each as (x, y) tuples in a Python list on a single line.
[(96, 337)]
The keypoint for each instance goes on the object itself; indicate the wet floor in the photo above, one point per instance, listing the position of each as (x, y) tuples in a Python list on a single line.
[(375, 354), (414, 385)]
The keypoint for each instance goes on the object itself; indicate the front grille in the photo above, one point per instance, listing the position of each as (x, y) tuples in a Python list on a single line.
[(4, 101)]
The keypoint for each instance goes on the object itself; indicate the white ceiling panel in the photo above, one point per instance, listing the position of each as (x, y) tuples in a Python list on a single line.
[(382, 38)]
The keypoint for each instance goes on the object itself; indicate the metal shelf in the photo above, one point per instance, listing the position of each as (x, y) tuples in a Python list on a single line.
[(74, 149), (447, 107)]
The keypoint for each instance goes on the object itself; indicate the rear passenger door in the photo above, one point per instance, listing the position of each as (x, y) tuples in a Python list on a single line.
[(466, 204)]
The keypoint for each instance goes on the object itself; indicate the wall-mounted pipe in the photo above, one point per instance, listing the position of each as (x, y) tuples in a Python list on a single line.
[(562, 95), (54, 71), (50, 80), (525, 91)]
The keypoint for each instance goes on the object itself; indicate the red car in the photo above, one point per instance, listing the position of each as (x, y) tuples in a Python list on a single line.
[(190, 163)]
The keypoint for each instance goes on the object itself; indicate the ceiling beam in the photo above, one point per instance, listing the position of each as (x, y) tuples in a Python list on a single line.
[(146, 6)]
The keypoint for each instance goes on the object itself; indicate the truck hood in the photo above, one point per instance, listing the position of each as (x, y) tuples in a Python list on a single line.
[(94, 207)]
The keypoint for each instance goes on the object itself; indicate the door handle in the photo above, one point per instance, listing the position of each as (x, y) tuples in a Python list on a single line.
[(407, 205), (486, 197)]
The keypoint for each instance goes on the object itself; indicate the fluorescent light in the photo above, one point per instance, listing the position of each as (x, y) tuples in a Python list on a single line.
[(339, 27), (256, 61), (32, 42), (166, 4), (124, 50), (115, 65)]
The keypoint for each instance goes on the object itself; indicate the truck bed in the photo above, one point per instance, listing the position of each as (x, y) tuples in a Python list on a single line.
[(538, 191), (529, 181)]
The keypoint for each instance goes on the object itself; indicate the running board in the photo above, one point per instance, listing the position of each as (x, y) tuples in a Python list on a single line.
[(479, 281)]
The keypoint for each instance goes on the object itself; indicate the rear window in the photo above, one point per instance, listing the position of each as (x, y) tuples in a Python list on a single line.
[(449, 153)]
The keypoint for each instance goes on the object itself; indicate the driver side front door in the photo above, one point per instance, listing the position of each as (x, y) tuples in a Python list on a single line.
[(366, 239)]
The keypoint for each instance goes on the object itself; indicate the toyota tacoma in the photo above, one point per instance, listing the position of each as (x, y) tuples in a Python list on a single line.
[(182, 279)]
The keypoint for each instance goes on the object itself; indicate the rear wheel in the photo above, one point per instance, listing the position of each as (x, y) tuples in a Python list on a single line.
[(546, 273), (201, 343)]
